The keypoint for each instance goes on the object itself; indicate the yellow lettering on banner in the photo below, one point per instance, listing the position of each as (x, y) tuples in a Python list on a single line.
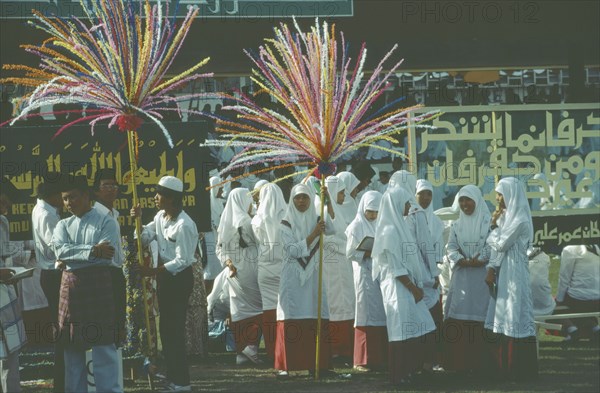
[(20, 226), (122, 204), (189, 200)]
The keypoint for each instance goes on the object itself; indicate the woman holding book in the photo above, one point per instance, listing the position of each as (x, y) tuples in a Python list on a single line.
[(510, 313), (370, 334), (468, 295)]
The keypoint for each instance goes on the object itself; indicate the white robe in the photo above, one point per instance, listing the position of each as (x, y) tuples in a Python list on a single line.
[(265, 225), (405, 319), (337, 268), (298, 296), (468, 294), (369, 309), (511, 313), (395, 255), (539, 270), (245, 299)]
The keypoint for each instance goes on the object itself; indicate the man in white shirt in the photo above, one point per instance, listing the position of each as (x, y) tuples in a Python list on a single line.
[(177, 238), (85, 245), (106, 191), (579, 288), (44, 218)]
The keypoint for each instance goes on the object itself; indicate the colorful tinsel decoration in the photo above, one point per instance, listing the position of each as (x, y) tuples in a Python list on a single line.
[(116, 64), (326, 105)]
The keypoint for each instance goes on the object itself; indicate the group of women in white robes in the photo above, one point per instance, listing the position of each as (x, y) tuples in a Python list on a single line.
[(388, 296)]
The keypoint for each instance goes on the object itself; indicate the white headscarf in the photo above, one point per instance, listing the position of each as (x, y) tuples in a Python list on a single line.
[(360, 226), (517, 207), (393, 234), (313, 185), (436, 227), (350, 206), (471, 231), (259, 184), (334, 186), (407, 181), (216, 204), (270, 212), (235, 215), (302, 223)]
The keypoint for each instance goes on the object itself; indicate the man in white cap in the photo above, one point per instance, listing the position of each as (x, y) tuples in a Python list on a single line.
[(177, 238)]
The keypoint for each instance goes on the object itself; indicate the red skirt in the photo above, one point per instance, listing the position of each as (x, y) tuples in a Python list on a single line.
[(370, 346), (341, 336), (247, 332), (512, 358), (408, 356), (463, 345), (269, 329), (295, 347)]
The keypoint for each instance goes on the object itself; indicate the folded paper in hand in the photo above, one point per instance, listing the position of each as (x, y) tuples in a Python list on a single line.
[(366, 244)]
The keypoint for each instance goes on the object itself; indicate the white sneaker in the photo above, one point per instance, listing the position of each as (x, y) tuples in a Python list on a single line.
[(171, 387), (241, 359), (251, 352)]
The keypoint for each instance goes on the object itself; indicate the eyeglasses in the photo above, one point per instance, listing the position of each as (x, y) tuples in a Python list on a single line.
[(109, 186)]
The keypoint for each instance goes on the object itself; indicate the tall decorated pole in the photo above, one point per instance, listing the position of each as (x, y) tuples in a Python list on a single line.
[(133, 147), (325, 103), (114, 63)]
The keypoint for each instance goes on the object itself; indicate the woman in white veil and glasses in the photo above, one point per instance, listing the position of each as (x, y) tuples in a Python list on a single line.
[(297, 303), (238, 251), (510, 311), (400, 272), (370, 334), (468, 295), (266, 225)]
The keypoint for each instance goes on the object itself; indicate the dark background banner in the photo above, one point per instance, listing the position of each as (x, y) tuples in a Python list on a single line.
[(28, 152), (552, 233)]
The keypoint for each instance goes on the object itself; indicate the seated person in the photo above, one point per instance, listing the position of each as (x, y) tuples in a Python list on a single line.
[(579, 289), (541, 291)]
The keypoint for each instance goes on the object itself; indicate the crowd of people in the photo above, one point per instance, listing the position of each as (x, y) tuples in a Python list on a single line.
[(399, 290)]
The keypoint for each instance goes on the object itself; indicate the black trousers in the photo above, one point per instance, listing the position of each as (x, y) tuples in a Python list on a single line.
[(173, 295), (50, 282)]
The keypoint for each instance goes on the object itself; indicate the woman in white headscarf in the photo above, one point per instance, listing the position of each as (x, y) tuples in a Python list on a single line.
[(510, 313), (400, 273), (468, 295), (370, 334), (352, 183), (238, 251), (297, 304), (256, 195), (419, 227), (424, 195), (266, 225), (217, 204), (337, 274)]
